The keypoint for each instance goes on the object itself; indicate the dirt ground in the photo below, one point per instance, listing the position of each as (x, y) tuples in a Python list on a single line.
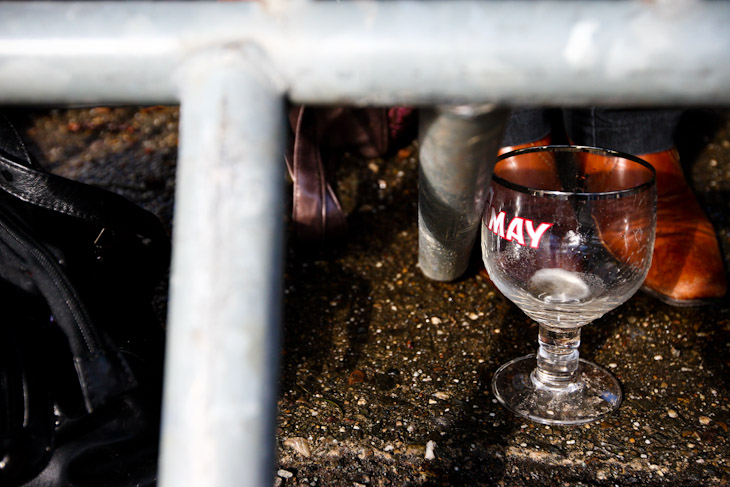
[(385, 375)]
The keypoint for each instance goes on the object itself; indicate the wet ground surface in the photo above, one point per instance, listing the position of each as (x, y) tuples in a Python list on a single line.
[(385, 376)]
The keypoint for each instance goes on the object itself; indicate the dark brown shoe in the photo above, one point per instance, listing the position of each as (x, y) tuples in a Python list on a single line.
[(687, 268)]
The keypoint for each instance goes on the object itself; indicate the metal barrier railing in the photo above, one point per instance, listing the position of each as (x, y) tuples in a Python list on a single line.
[(231, 65)]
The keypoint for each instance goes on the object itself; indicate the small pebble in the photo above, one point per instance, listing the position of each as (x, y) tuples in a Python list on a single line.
[(704, 420), (658, 357), (430, 445), (284, 474), (435, 320), (299, 445), (671, 413)]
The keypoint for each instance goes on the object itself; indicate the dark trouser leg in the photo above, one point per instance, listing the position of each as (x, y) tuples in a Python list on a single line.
[(634, 131), (526, 125)]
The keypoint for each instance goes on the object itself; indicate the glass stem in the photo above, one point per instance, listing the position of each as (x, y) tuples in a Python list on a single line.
[(557, 359)]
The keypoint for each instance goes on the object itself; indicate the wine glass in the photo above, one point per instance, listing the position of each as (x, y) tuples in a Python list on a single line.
[(567, 235)]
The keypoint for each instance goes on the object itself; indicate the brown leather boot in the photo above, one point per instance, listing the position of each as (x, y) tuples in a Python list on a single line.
[(687, 268), (537, 171)]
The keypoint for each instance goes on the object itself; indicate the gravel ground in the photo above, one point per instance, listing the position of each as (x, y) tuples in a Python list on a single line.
[(385, 375)]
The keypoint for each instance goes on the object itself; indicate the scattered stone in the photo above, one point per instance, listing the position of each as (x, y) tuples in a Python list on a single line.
[(671, 413), (299, 445), (704, 420), (658, 357), (357, 376), (473, 316), (441, 395), (430, 445), (284, 474), (435, 320)]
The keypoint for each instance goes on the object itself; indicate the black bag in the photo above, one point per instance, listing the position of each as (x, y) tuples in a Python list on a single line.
[(81, 348)]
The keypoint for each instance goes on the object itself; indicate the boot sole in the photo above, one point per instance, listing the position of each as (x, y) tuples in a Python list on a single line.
[(682, 303)]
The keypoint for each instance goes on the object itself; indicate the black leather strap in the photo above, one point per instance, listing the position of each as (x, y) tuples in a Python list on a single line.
[(21, 178)]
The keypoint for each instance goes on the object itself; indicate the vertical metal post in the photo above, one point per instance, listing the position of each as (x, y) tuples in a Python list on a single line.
[(221, 366), (458, 146)]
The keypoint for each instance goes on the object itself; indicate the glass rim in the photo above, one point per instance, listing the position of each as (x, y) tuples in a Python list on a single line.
[(575, 194)]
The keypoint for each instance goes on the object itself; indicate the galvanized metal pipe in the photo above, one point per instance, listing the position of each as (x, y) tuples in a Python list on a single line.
[(458, 146), (517, 52), (225, 304), (229, 63)]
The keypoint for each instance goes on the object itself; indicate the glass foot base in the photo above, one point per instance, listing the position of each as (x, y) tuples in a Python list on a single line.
[(599, 395)]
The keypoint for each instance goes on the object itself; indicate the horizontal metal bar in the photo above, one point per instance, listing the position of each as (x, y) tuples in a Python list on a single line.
[(549, 53)]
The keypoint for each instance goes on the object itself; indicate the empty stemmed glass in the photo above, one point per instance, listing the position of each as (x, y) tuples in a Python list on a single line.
[(567, 235)]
